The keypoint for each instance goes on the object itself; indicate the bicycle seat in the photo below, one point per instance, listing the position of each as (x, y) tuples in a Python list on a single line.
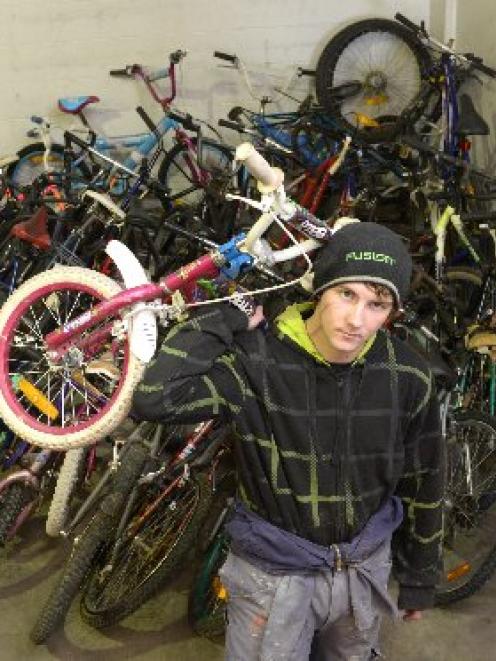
[(470, 122), (34, 230), (482, 340), (74, 104)]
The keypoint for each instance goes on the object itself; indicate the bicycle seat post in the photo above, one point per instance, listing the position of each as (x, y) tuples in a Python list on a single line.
[(83, 119)]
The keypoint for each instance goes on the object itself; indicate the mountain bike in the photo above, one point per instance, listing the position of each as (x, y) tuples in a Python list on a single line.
[(84, 341), (469, 501), (272, 132), (399, 71), (469, 543), (320, 158), (306, 144), (144, 526)]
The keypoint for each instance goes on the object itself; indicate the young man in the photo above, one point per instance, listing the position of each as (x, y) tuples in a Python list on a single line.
[(337, 444)]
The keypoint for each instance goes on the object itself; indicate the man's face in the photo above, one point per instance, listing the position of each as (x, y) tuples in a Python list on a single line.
[(345, 317)]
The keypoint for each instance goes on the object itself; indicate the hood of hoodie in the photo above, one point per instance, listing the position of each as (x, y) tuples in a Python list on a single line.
[(291, 323)]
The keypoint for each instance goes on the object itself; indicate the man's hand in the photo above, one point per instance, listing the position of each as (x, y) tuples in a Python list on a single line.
[(411, 615), (248, 306), (256, 318)]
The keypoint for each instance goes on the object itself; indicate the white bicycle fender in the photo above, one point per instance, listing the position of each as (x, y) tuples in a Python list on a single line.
[(143, 327)]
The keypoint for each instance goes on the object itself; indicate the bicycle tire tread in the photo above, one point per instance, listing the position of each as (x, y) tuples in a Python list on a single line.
[(90, 541), (151, 586), (15, 497), (73, 575)]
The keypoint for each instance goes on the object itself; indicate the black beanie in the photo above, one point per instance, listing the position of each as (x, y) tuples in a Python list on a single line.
[(364, 252)]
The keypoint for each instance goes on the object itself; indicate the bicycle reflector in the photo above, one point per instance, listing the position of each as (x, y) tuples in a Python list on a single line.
[(219, 589), (365, 120), (376, 100), (458, 572), (35, 396)]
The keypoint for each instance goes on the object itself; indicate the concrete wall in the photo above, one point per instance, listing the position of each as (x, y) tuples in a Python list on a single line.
[(55, 48)]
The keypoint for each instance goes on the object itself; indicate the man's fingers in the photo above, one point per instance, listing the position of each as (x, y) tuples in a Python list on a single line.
[(256, 318)]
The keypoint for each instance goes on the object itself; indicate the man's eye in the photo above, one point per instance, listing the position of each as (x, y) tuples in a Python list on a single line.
[(346, 293), (378, 305)]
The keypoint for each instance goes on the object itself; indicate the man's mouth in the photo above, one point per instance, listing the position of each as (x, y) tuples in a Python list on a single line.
[(350, 336)]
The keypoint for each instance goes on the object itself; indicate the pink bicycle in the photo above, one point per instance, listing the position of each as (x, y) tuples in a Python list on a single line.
[(74, 343)]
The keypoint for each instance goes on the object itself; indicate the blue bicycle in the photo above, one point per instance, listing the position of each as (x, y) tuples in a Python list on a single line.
[(47, 157)]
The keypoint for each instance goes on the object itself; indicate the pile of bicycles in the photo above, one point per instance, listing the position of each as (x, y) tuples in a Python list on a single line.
[(100, 254)]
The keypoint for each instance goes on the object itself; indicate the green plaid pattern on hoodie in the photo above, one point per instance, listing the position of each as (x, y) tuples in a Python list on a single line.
[(318, 447)]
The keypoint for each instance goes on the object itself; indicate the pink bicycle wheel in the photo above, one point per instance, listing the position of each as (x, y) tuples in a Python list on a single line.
[(76, 401)]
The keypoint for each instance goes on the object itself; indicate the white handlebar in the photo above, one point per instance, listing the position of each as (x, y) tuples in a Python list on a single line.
[(286, 254), (260, 227), (301, 248), (268, 178)]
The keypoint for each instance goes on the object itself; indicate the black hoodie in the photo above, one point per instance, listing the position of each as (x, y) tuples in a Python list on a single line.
[(319, 447)]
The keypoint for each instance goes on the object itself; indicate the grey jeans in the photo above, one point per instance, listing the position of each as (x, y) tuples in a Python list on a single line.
[(273, 617)]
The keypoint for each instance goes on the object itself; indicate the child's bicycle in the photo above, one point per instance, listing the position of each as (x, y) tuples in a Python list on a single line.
[(49, 156), (82, 341)]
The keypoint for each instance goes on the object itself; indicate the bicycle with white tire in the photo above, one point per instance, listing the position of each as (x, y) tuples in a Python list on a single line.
[(81, 341)]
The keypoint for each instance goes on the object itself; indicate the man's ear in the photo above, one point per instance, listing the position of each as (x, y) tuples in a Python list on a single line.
[(393, 316)]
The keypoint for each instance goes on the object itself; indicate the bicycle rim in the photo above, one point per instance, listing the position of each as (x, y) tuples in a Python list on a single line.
[(388, 62), (65, 404), (32, 166), (469, 547), (142, 554), (378, 55)]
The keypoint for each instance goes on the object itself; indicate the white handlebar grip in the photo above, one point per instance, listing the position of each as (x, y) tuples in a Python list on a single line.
[(268, 178)]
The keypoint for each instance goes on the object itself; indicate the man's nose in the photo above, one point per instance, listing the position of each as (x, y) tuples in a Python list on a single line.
[(355, 315)]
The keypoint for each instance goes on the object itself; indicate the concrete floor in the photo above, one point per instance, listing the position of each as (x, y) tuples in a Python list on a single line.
[(160, 632)]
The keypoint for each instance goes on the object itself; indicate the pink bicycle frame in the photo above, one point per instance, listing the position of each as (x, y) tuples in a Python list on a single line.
[(138, 71), (58, 341)]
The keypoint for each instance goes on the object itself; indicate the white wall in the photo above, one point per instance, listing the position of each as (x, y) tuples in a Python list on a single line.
[(475, 33), (53, 48)]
